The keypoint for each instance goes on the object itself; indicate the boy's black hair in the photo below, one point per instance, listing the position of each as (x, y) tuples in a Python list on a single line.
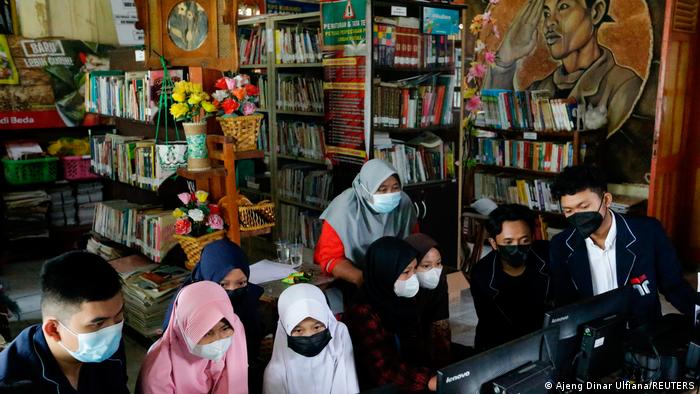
[(76, 277), (509, 213), (576, 179)]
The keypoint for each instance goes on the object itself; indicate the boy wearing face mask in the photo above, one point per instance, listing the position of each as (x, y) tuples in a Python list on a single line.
[(604, 250), (78, 347), (511, 284)]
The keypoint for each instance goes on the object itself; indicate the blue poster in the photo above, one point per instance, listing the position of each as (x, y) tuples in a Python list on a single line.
[(440, 21)]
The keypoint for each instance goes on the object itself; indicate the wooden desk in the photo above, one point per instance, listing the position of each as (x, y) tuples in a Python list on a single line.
[(275, 288)]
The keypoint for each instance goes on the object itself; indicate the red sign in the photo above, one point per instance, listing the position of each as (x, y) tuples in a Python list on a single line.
[(30, 120)]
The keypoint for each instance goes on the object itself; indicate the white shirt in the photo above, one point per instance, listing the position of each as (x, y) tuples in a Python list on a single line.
[(603, 262)]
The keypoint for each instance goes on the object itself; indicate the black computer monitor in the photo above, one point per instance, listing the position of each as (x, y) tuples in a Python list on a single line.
[(471, 376), (571, 319)]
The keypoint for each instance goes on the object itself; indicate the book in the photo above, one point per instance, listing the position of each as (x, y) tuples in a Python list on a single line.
[(299, 225), (305, 184), (532, 155), (252, 45), (298, 44), (299, 93), (127, 159), (301, 139), (510, 189), (421, 159), (398, 42)]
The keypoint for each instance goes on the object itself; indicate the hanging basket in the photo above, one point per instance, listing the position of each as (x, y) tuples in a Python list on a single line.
[(243, 129), (193, 245), (253, 217)]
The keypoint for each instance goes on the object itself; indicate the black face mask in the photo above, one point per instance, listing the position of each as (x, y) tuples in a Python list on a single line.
[(309, 346), (236, 295), (515, 255), (586, 223)]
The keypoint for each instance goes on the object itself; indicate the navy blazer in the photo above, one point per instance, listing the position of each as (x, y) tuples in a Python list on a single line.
[(645, 259)]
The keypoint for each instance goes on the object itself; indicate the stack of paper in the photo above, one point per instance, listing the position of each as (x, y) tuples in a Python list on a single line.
[(26, 215), (105, 251), (87, 196), (62, 206)]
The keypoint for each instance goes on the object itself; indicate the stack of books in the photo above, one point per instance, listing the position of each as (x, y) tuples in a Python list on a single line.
[(298, 44), (424, 158), (303, 139), (103, 249), (423, 102), (529, 110), (398, 42), (26, 215), (299, 225), (251, 45), (305, 183), (62, 213), (505, 189), (298, 93), (87, 195), (148, 229), (538, 156)]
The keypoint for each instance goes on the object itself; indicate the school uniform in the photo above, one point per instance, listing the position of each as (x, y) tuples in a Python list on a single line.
[(28, 359)]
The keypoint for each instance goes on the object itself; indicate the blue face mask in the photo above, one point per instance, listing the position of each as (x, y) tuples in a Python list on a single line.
[(95, 347), (385, 203)]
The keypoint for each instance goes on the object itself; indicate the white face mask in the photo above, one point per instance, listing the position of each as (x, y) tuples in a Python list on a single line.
[(429, 279), (407, 288), (213, 351)]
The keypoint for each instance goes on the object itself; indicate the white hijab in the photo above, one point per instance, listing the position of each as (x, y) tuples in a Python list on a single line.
[(331, 371)]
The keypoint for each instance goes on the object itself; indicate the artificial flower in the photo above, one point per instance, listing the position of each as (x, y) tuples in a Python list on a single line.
[(181, 87), (196, 214), (178, 213), (485, 18), (490, 57), (194, 99), (183, 226), (479, 46), (494, 1), (474, 104), (249, 108), (495, 28), (196, 87), (209, 107), (239, 93), (201, 196), (252, 90), (477, 70), (221, 84), (185, 198), (476, 25), (469, 93), (179, 110), (230, 106), (179, 97), (215, 222), (214, 209), (220, 95)]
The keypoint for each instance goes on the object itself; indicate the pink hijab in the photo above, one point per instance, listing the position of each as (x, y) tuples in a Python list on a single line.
[(169, 366)]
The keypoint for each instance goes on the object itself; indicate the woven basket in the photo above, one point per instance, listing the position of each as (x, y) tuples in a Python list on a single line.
[(253, 217), (243, 130), (193, 245)]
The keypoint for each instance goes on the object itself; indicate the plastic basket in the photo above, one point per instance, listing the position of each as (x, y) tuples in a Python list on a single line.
[(77, 168), (22, 172)]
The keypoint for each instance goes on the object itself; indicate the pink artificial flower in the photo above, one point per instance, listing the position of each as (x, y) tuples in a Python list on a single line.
[(494, 1), (185, 198), (477, 70), (183, 227), (485, 18), (495, 31), (474, 104), (215, 222), (490, 57), (249, 108)]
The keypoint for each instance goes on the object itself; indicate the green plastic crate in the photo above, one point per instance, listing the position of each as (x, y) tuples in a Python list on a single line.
[(22, 172)]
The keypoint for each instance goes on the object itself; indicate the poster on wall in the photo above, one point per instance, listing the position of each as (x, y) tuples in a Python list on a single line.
[(51, 82), (345, 46), (125, 18), (440, 21), (598, 52)]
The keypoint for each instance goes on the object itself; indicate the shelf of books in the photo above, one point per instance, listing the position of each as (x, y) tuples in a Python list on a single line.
[(286, 51)]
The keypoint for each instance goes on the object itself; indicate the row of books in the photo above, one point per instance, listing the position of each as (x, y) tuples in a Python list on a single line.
[(424, 158), (149, 229), (133, 95), (533, 110), (427, 104), (507, 189), (398, 42), (74, 204), (303, 139), (298, 44), (263, 85), (252, 44), (298, 93), (264, 136), (538, 156), (127, 159), (300, 225), (305, 183)]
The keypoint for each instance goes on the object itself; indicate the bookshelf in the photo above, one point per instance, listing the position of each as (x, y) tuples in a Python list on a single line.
[(416, 112), (295, 133)]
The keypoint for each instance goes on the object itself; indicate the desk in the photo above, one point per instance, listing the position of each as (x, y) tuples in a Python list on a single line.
[(275, 288)]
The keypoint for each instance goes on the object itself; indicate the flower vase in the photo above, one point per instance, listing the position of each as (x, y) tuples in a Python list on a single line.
[(197, 154)]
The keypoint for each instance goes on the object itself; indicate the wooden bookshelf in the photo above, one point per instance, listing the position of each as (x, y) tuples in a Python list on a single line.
[(301, 204)]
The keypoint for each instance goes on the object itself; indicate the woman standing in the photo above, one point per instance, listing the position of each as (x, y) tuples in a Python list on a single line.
[(375, 206)]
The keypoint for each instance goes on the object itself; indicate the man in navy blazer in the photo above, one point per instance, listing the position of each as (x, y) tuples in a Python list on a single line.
[(604, 250)]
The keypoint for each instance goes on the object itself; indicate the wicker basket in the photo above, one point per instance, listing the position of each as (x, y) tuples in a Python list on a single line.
[(253, 217), (243, 130), (193, 245)]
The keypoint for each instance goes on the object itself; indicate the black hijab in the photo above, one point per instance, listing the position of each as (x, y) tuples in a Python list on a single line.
[(386, 260), (433, 304)]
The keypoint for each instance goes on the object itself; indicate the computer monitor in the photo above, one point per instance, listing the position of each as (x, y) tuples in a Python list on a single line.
[(571, 319), (471, 376)]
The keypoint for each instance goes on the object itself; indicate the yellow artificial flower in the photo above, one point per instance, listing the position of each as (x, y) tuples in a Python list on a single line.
[(177, 213), (179, 110), (209, 107), (201, 196), (196, 87), (180, 87), (194, 99), (469, 93), (179, 97)]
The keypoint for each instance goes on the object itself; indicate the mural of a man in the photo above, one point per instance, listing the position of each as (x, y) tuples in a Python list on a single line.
[(587, 70)]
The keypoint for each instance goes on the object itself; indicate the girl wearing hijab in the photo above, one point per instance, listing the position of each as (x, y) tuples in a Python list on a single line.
[(312, 352), (225, 263), (384, 323), (202, 351), (375, 206), (433, 300)]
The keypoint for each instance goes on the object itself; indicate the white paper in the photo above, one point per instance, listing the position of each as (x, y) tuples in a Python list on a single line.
[(599, 342), (267, 271), (125, 17), (484, 206)]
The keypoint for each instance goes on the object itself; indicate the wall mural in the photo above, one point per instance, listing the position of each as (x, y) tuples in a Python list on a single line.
[(598, 51)]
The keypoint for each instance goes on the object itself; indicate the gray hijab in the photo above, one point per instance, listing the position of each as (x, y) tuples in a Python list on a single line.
[(354, 220)]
